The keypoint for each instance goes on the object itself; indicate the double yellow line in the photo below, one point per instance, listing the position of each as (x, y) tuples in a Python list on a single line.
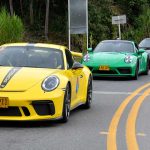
[(131, 121)]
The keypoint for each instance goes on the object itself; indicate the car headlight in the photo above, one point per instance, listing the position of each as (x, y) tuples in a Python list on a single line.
[(86, 58), (128, 59), (50, 83)]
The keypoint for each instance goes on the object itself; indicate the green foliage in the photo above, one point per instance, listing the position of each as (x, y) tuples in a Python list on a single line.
[(142, 29), (11, 28), (79, 43), (100, 25), (132, 8), (144, 23)]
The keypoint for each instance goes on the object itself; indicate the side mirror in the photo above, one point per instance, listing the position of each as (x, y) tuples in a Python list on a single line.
[(90, 49), (141, 51), (77, 65)]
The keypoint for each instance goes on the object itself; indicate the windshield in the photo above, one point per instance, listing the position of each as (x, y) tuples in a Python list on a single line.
[(145, 43), (115, 46), (25, 56)]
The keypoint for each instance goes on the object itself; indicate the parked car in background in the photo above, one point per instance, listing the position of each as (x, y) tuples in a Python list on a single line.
[(120, 58), (145, 44)]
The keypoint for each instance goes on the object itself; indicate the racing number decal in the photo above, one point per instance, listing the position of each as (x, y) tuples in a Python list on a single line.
[(77, 85)]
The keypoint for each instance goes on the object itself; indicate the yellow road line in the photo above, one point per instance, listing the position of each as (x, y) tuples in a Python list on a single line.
[(111, 138), (131, 122)]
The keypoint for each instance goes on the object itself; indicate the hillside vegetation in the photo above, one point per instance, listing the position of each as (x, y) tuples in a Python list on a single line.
[(46, 21)]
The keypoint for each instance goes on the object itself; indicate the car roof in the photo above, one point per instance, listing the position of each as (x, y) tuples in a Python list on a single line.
[(146, 39), (125, 41), (45, 45)]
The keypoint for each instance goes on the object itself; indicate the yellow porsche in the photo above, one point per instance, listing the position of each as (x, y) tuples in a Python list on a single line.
[(41, 82)]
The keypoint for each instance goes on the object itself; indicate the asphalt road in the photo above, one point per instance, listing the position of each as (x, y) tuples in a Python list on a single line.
[(118, 120)]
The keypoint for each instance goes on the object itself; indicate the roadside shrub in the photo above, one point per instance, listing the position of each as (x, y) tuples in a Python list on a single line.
[(11, 28), (142, 29)]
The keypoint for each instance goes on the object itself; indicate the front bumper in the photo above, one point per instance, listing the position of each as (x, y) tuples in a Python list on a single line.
[(34, 106), (121, 71)]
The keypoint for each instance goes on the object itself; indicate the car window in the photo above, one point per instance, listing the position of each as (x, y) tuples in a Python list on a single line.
[(69, 58), (145, 43), (27, 56), (115, 46)]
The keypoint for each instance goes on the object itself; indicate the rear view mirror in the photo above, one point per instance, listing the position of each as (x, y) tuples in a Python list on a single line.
[(141, 51), (90, 49), (77, 65)]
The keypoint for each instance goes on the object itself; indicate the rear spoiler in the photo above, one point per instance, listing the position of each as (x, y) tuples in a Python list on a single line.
[(76, 54)]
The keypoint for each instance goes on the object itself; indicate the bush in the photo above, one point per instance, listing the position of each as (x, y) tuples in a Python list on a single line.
[(142, 30), (11, 28)]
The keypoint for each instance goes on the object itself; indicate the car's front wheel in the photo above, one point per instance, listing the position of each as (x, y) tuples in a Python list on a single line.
[(136, 72), (66, 105), (147, 67), (89, 94)]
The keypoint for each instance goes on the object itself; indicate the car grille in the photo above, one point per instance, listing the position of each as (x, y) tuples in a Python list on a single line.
[(104, 72), (124, 70), (26, 111), (10, 111), (44, 107)]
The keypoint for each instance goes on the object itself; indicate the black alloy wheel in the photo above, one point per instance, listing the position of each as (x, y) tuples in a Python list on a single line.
[(147, 67), (136, 72), (66, 106), (89, 94)]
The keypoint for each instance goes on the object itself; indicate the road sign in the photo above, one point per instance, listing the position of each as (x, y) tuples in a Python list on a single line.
[(119, 19), (78, 14), (77, 18)]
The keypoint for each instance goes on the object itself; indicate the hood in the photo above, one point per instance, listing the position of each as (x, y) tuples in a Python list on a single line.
[(21, 79), (107, 58)]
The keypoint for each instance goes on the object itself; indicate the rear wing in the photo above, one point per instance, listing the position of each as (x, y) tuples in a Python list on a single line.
[(76, 54)]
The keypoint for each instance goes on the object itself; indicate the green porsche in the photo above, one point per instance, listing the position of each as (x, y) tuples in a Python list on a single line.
[(120, 58)]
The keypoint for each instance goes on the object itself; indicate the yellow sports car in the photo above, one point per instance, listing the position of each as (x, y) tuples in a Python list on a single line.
[(41, 81)]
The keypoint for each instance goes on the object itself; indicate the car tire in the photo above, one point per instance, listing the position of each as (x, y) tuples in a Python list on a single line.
[(136, 72), (66, 105), (147, 68), (88, 102)]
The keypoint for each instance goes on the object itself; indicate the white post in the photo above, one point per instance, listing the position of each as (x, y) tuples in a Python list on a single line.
[(119, 28), (69, 36), (87, 28), (119, 31)]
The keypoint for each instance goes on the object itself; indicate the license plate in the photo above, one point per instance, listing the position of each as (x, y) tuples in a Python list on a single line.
[(104, 68), (4, 102)]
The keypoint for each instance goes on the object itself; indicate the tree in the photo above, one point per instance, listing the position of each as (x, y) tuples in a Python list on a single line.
[(11, 7), (47, 19), (21, 7), (31, 12)]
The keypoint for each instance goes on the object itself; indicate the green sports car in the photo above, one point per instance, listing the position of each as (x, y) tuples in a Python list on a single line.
[(120, 58)]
